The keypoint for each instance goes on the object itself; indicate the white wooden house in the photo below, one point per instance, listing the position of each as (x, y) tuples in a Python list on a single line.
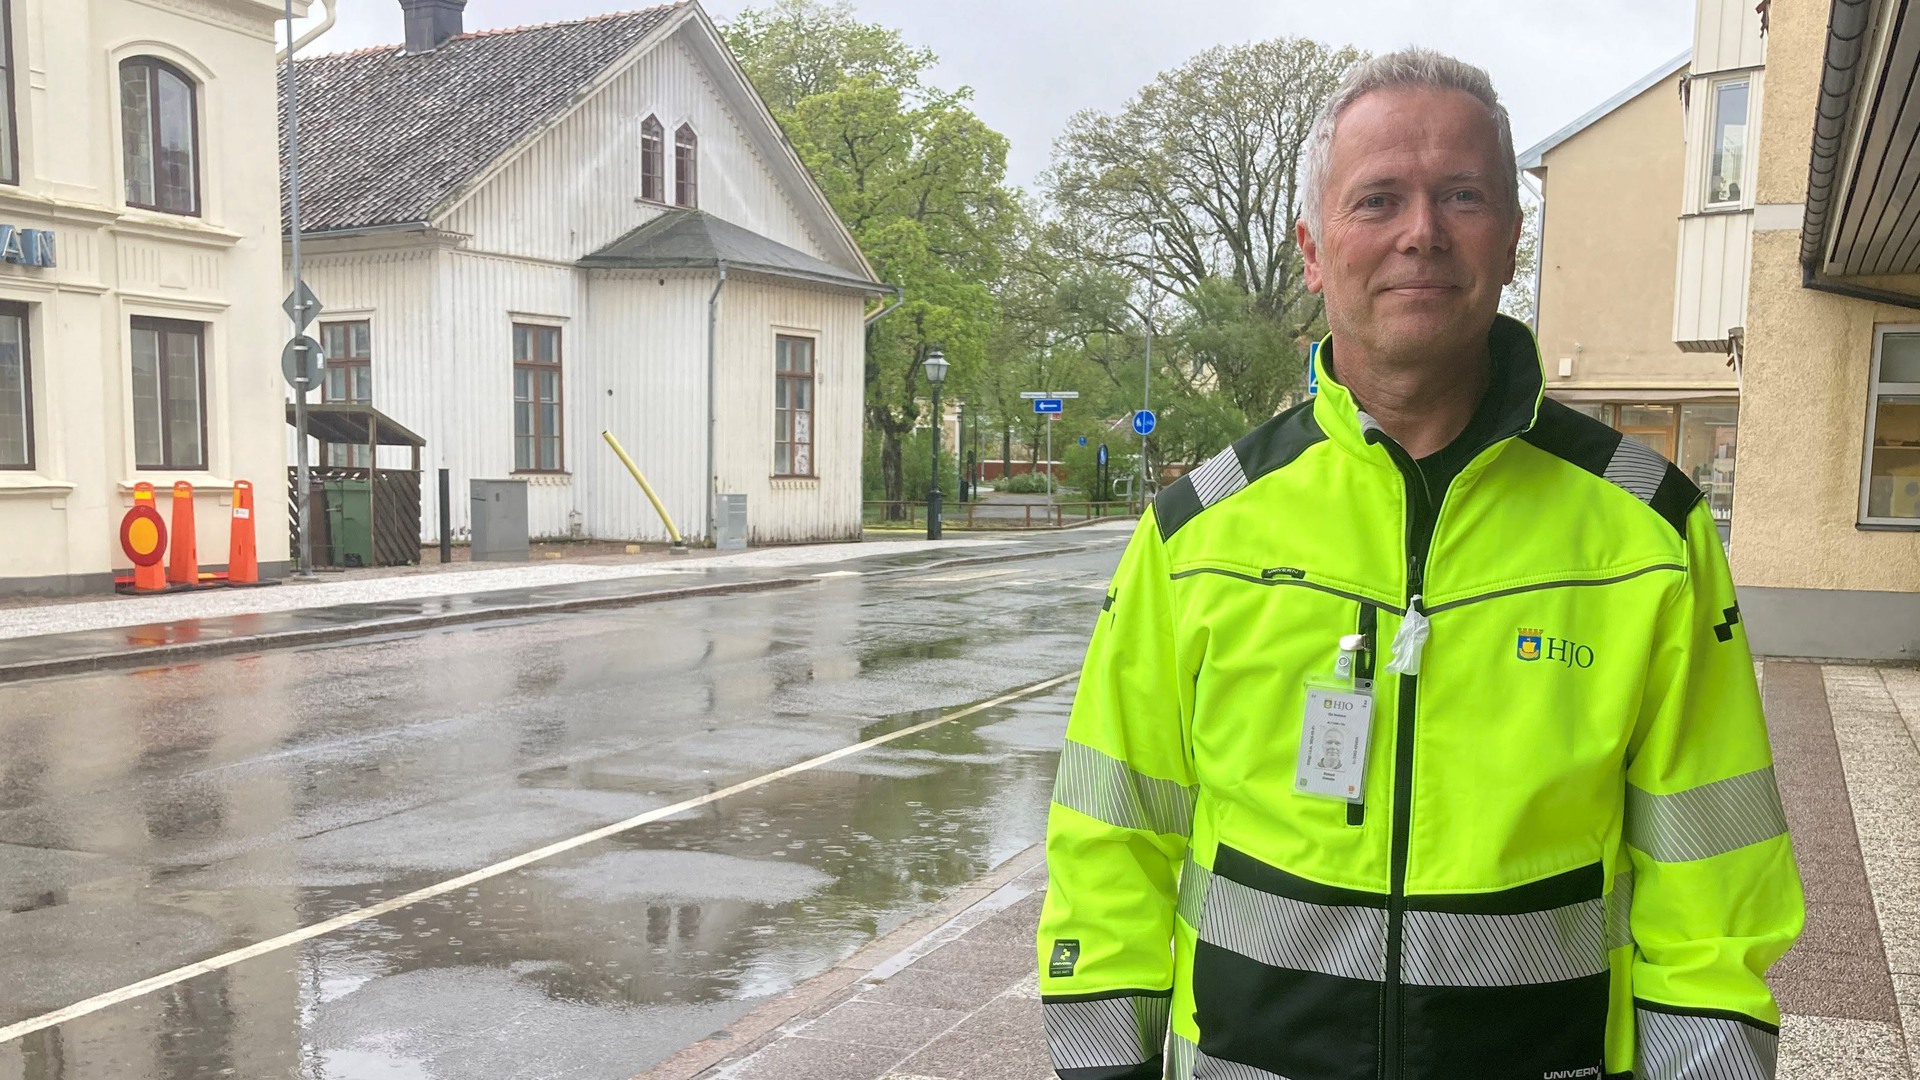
[(525, 237)]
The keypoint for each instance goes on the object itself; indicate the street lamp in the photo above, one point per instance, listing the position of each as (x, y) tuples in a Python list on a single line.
[(936, 365)]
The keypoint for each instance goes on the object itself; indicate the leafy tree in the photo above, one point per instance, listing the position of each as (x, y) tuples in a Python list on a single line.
[(1517, 299), (917, 177)]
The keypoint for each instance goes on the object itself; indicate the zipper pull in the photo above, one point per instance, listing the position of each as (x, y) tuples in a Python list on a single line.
[(1410, 641)]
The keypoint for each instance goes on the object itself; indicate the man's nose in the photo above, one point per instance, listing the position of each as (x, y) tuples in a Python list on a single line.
[(1424, 228)]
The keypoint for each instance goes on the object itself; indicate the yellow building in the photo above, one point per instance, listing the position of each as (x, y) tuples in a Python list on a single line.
[(140, 321), (1631, 330), (1826, 546)]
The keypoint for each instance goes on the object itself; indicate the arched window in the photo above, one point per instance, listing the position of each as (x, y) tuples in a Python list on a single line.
[(653, 160), (160, 132), (686, 167)]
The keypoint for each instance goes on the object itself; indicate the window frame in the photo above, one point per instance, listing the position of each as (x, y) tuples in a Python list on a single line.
[(165, 327), (1876, 389), (348, 457), (686, 167), (558, 367), (155, 65), (1715, 88), (15, 309), (653, 160), (10, 168), (812, 381)]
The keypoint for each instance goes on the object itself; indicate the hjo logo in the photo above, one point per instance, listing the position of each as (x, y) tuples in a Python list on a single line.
[(1533, 645)]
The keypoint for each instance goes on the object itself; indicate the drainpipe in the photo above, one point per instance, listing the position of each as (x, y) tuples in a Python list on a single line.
[(713, 404), (310, 36), (1539, 246), (899, 297)]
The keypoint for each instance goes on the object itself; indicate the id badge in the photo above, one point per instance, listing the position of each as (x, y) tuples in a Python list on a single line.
[(1333, 741)]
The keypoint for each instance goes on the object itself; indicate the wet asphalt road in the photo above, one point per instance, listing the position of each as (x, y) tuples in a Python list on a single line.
[(155, 819)]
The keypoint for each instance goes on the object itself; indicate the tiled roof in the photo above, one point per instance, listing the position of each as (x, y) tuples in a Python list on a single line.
[(689, 239), (386, 137)]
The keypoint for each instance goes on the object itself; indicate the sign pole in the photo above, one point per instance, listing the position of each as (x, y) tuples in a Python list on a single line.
[(303, 479), (1049, 459)]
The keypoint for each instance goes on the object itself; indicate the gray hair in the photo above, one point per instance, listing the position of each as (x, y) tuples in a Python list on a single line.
[(1413, 68)]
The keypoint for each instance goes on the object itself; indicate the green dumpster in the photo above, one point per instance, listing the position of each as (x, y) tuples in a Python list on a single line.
[(350, 521)]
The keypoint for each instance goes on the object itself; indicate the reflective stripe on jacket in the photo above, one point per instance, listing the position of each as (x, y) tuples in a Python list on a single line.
[(1571, 859)]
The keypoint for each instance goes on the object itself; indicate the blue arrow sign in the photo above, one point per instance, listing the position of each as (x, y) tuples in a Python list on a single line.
[(1103, 453), (1049, 405), (1144, 422), (1083, 440)]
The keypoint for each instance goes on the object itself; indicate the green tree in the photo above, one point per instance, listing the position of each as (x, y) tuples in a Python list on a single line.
[(1517, 299), (917, 177)]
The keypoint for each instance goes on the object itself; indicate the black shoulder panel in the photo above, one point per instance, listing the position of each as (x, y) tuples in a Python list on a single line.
[(1593, 446), (1272, 445)]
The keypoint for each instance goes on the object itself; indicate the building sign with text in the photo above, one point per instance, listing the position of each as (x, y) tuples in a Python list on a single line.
[(27, 247)]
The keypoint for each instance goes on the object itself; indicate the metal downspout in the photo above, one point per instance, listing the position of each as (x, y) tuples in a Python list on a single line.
[(899, 297), (1539, 246), (310, 36), (713, 404)]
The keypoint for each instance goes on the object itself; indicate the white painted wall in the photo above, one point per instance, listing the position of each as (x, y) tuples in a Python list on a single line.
[(61, 520)]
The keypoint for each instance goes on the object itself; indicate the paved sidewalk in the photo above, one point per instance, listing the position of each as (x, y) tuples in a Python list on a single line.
[(960, 1001)]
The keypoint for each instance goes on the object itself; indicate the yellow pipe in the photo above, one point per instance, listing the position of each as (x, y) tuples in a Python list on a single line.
[(679, 543)]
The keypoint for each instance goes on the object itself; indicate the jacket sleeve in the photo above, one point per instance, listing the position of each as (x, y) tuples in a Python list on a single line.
[(1716, 895), (1117, 834)]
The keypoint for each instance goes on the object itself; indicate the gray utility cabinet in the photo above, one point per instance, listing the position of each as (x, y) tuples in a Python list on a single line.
[(730, 511), (499, 512)]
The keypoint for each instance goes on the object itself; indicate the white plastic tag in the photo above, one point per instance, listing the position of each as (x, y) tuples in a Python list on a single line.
[(1410, 642), (1333, 742)]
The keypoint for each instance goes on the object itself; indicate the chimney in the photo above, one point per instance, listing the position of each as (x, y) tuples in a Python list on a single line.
[(431, 23)]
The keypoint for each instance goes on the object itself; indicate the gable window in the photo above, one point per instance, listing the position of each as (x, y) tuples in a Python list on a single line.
[(16, 389), (1891, 488), (1727, 152), (169, 394), (348, 381), (686, 167), (653, 160), (159, 131), (536, 399), (9, 123), (792, 406)]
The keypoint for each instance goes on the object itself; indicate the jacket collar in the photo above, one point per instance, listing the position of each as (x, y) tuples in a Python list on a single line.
[(1518, 385)]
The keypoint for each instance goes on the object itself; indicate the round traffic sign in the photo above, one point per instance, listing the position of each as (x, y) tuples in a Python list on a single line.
[(1144, 422), (143, 535), (302, 359)]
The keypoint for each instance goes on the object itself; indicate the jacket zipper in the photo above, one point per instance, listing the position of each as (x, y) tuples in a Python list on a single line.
[(1363, 670), (1420, 522)]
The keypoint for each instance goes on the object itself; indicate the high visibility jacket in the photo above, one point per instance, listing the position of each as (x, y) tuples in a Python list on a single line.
[(1570, 858)]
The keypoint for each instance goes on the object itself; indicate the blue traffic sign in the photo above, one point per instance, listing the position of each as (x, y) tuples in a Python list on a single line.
[(1313, 369), (1048, 405), (1144, 422), (1103, 454), (1083, 440)]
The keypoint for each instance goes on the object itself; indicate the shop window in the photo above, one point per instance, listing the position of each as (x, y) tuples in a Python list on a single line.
[(1727, 145), (169, 394), (9, 121), (686, 167), (653, 160), (792, 406), (1891, 494), (16, 389), (536, 399), (159, 132), (1708, 439), (349, 380)]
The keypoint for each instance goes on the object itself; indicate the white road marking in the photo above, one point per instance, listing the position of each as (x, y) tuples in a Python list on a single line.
[(971, 575), (839, 573), (340, 922)]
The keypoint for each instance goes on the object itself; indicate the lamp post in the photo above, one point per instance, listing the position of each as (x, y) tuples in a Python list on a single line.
[(936, 365)]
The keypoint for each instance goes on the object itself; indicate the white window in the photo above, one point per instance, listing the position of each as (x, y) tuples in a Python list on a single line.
[(1727, 144), (1890, 494)]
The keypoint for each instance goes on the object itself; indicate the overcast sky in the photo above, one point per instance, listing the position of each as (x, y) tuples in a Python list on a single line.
[(1033, 63)]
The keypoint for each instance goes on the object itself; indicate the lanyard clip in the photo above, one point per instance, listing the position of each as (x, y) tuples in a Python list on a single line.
[(1350, 644)]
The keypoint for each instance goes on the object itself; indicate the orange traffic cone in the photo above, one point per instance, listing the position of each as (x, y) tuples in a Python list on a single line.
[(243, 564), (184, 568), (144, 536)]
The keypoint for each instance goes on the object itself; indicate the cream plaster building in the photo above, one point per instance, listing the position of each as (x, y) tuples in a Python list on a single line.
[(140, 326), (1826, 546)]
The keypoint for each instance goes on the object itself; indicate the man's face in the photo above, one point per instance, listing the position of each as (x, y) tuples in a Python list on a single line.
[(1418, 232)]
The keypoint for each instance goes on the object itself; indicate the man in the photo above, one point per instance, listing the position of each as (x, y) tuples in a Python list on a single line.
[(1561, 853)]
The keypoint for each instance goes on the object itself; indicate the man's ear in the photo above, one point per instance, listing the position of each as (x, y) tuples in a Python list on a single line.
[(1310, 252)]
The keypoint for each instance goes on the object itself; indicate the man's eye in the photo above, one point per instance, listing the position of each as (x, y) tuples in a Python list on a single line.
[(1467, 196), (1374, 202)]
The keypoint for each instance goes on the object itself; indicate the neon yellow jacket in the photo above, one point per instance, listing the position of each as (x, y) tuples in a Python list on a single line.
[(1570, 860)]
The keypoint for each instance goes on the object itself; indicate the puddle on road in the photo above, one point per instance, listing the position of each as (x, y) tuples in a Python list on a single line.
[(606, 960)]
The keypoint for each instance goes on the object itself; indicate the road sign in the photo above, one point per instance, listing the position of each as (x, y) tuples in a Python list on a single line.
[(302, 359), (143, 535), (1144, 422), (302, 306), (1313, 369), (1083, 440), (1049, 405), (1037, 395)]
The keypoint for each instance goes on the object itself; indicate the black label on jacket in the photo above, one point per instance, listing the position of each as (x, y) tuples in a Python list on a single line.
[(1066, 955)]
